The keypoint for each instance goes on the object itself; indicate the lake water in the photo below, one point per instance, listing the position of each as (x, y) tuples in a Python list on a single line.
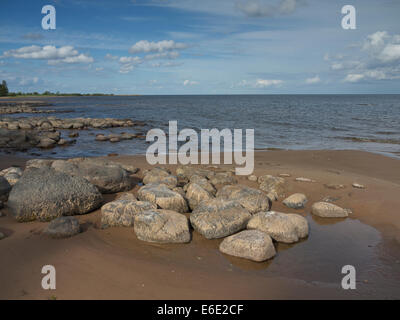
[(362, 122)]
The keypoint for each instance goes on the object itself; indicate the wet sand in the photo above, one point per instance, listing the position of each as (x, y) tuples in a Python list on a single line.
[(113, 264)]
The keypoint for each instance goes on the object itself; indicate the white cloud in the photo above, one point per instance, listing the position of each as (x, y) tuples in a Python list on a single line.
[(263, 83), (313, 80), (28, 81), (189, 83), (354, 77), (109, 56), (164, 55), (129, 63), (145, 46), (390, 53), (263, 8), (65, 54)]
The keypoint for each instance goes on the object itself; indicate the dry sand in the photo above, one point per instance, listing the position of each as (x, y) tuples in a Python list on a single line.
[(113, 264)]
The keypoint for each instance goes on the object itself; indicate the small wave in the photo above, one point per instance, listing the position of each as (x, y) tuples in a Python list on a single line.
[(370, 140)]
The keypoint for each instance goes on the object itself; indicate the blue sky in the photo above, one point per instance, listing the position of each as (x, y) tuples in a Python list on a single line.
[(201, 47)]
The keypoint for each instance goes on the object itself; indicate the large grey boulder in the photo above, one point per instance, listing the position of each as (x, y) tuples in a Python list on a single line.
[(159, 175), (281, 227), (196, 194), (329, 210), (249, 244), (121, 213), (218, 218), (162, 226), (5, 189), (252, 199), (163, 197), (295, 201), (63, 227), (46, 194), (107, 176), (273, 186), (38, 163)]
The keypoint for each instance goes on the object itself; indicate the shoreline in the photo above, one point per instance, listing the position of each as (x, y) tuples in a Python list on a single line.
[(113, 264)]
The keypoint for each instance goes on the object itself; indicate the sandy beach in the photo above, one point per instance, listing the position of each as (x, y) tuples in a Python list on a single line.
[(114, 264)]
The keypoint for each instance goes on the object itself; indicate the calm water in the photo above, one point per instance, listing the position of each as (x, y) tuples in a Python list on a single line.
[(363, 122)]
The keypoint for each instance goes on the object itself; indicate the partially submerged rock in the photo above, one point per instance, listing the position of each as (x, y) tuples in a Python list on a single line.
[(218, 218), (329, 210), (295, 201), (251, 199), (46, 194), (63, 227), (164, 197), (281, 227), (121, 213), (162, 226), (249, 244)]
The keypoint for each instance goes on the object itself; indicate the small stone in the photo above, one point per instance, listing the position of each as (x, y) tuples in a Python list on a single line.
[(301, 179), (334, 186), (73, 135), (295, 201), (63, 227), (284, 175), (2, 236), (252, 178), (358, 186)]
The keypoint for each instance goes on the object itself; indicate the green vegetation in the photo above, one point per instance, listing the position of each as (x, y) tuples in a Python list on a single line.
[(4, 93), (3, 89)]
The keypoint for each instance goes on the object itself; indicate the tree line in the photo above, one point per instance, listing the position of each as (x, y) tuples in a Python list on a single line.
[(4, 92)]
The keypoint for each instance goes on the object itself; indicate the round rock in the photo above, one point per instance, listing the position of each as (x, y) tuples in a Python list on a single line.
[(329, 210), (251, 199), (218, 218), (164, 197), (295, 201), (196, 194), (63, 227), (121, 213), (45, 194), (162, 226), (280, 226), (249, 244)]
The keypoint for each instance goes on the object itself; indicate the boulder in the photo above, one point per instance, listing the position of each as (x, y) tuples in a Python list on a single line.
[(249, 244), (295, 201), (204, 183), (220, 179), (5, 189), (218, 218), (121, 213), (162, 226), (107, 176), (196, 194), (46, 194), (62, 227), (164, 197), (281, 227), (38, 163), (46, 143), (273, 186), (252, 199), (329, 210), (252, 178), (188, 171), (12, 174), (158, 175)]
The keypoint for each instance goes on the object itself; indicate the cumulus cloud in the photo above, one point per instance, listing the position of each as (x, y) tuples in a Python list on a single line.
[(313, 80), (164, 55), (263, 8), (28, 81), (378, 58), (145, 46), (127, 64), (54, 55)]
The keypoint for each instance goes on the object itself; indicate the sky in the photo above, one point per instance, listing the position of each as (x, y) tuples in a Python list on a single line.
[(201, 47)]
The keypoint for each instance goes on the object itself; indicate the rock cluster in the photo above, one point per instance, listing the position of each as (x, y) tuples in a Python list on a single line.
[(166, 206)]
